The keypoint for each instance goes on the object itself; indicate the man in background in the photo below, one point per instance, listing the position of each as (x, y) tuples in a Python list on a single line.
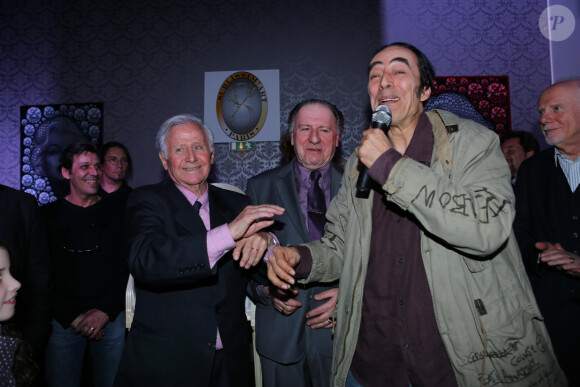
[(518, 146), (116, 164), (547, 222), (293, 328), (85, 243)]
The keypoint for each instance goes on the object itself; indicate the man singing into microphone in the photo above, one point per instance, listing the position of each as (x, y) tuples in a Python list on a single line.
[(432, 287)]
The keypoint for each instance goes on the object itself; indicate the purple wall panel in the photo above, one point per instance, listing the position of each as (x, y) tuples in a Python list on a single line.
[(472, 37), (565, 48)]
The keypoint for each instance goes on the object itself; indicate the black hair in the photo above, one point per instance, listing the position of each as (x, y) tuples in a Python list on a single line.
[(426, 70), (75, 149), (527, 140)]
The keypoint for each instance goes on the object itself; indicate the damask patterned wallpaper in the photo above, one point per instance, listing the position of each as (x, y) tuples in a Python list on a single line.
[(145, 60), (471, 37)]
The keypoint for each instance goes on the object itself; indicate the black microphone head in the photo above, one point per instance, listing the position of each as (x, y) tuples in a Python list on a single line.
[(382, 117)]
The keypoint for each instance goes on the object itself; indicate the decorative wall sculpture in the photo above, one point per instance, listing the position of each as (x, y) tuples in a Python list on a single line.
[(45, 131)]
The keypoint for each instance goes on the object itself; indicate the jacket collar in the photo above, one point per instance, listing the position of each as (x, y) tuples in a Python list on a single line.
[(183, 211), (445, 124)]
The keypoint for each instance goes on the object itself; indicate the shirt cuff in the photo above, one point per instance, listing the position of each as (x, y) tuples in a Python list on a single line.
[(271, 248), (219, 241), (262, 295), (305, 265), (382, 167)]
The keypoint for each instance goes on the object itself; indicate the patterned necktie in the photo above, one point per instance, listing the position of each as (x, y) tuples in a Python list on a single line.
[(316, 207)]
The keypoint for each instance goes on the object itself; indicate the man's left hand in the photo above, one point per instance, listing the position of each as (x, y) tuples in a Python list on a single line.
[(555, 255), (321, 316), (252, 249), (373, 144)]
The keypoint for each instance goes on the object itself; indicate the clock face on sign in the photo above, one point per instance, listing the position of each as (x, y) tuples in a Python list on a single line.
[(242, 106)]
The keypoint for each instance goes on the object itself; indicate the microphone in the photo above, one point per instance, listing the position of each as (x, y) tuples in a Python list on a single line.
[(381, 119)]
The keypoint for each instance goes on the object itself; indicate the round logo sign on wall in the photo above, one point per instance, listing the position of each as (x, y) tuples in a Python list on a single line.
[(242, 106)]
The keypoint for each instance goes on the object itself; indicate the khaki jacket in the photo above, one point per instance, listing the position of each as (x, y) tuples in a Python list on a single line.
[(484, 305)]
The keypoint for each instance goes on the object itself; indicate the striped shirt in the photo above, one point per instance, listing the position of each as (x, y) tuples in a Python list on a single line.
[(570, 168)]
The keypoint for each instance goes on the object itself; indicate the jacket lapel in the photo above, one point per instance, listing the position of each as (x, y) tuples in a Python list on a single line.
[(217, 213), (335, 180), (183, 211)]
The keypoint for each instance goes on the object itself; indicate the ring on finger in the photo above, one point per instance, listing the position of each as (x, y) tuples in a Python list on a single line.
[(329, 321), (571, 260)]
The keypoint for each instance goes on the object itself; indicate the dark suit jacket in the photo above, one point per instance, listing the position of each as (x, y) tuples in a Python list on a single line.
[(180, 300), (22, 230), (547, 210), (281, 338)]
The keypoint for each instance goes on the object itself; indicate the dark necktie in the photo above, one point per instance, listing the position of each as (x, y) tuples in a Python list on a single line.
[(316, 207), (196, 206)]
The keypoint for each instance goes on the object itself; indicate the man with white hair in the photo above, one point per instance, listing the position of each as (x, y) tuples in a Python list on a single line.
[(190, 326), (547, 222)]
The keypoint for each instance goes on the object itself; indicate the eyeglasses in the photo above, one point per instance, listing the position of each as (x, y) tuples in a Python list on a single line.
[(115, 161)]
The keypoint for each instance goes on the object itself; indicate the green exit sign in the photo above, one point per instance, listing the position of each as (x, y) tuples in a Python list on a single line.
[(242, 146)]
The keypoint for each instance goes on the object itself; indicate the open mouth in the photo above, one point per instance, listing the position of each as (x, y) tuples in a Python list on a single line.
[(389, 100)]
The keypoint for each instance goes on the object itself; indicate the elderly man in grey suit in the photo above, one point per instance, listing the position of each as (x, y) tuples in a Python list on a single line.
[(293, 328)]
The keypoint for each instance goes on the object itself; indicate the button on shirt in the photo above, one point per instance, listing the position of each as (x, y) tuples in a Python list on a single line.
[(219, 240)]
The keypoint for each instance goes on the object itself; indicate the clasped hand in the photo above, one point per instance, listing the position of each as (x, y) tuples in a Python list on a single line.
[(90, 324), (281, 274), (250, 244), (281, 264), (555, 255)]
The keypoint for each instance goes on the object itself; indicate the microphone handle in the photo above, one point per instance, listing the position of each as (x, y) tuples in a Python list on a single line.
[(364, 182)]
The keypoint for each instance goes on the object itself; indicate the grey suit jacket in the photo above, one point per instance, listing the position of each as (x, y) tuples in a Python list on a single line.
[(278, 337)]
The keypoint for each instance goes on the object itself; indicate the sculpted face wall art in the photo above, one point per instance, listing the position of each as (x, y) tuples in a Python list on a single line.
[(45, 131)]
